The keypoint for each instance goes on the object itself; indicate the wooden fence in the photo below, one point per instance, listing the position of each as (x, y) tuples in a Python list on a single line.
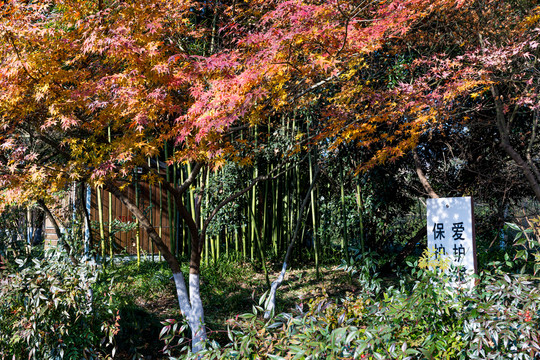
[(151, 200)]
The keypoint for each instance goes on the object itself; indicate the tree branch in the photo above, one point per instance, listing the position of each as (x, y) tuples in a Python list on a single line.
[(423, 179), (503, 128), (271, 302), (145, 223), (185, 185), (317, 85), (531, 143), (58, 231)]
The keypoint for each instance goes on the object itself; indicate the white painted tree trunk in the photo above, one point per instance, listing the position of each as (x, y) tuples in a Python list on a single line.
[(191, 307), (271, 301), (190, 303), (196, 319)]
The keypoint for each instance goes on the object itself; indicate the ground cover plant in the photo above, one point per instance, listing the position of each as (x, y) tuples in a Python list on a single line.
[(352, 312), (421, 317), (145, 298)]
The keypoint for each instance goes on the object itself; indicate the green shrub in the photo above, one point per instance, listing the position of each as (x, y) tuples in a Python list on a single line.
[(48, 310), (423, 317), (503, 318)]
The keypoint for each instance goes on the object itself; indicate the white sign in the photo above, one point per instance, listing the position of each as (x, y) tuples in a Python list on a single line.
[(450, 231)]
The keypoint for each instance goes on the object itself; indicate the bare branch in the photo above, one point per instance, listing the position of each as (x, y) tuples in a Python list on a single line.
[(423, 179), (317, 85), (145, 223)]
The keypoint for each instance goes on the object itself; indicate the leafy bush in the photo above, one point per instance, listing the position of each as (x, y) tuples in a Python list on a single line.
[(424, 316), (503, 318), (48, 310)]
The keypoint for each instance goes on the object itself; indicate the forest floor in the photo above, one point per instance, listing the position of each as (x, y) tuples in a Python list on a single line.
[(148, 296)]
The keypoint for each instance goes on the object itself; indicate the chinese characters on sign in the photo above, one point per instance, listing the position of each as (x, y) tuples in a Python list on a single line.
[(450, 228)]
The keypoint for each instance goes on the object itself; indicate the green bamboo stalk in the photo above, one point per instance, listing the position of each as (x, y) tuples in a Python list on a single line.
[(286, 210), (275, 218), (296, 208), (175, 212), (28, 226), (320, 239), (151, 203), (208, 241), (314, 219), (169, 202), (236, 240), (327, 238), (138, 228), (227, 235), (261, 251), (100, 219), (283, 200), (160, 230), (253, 203), (360, 205), (217, 239), (190, 204), (185, 244), (244, 241), (111, 236), (344, 240), (215, 250), (296, 188), (266, 229), (286, 228), (191, 192), (273, 186), (253, 224), (208, 249)]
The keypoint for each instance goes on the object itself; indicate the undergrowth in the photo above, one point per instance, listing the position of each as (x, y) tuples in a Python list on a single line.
[(421, 316)]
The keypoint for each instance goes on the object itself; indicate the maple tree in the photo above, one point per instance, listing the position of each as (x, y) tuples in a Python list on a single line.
[(90, 90), (86, 95), (469, 72)]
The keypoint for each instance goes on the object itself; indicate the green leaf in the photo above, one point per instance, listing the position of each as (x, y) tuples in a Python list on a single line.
[(513, 226), (522, 254), (276, 357), (263, 297), (536, 268), (352, 335)]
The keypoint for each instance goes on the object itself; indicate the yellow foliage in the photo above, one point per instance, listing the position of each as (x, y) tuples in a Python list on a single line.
[(531, 20), (429, 260)]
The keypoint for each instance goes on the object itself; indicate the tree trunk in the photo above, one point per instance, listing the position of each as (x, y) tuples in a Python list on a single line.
[(420, 234), (406, 251), (271, 301), (190, 303), (503, 125), (191, 307)]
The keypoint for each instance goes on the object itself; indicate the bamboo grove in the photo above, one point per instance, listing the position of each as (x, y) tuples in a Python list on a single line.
[(258, 225)]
